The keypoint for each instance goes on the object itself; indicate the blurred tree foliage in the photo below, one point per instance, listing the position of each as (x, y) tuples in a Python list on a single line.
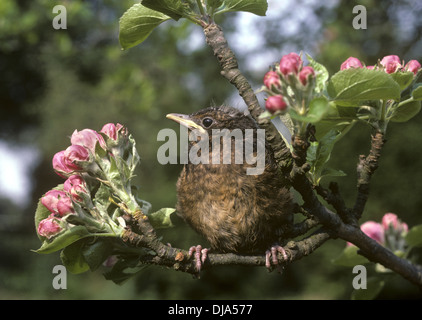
[(55, 81)]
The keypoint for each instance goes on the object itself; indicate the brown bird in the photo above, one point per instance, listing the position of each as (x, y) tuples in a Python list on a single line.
[(236, 209)]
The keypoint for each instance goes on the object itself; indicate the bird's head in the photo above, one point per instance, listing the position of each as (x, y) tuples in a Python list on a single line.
[(222, 117)]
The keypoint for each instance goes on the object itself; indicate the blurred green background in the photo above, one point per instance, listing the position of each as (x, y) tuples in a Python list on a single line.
[(55, 81)]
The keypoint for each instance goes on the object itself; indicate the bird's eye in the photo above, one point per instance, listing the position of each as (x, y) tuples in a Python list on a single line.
[(207, 122)]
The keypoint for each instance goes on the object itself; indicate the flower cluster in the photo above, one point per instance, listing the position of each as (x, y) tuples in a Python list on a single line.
[(389, 64), (290, 72), (76, 164), (389, 233)]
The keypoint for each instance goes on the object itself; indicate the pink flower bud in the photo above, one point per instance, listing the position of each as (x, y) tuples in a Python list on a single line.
[(413, 66), (373, 230), (290, 64), (271, 78), (49, 227), (305, 74), (351, 62), (111, 130), (74, 185), (404, 227), (60, 166), (370, 67), (88, 139), (73, 154), (391, 63), (64, 162), (65, 207), (389, 219), (51, 199), (275, 103), (58, 203)]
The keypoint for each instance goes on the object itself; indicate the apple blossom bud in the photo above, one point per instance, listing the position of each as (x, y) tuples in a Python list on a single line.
[(305, 74), (58, 203), (65, 207), (111, 130), (405, 227), (275, 103), (290, 64), (391, 63), (73, 154), (373, 230), (413, 66), (49, 227), (351, 62), (51, 199), (389, 219), (88, 139), (60, 166), (271, 78), (74, 185)]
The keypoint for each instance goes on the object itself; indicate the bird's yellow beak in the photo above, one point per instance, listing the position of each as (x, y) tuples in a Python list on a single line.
[(185, 120)]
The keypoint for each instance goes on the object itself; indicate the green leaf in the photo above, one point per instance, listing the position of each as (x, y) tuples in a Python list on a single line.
[(96, 253), (62, 240), (374, 286), (214, 3), (322, 74), (348, 87), (161, 218), (330, 172), (414, 236), (318, 155), (258, 7), (73, 259), (350, 257), (336, 118), (124, 269), (417, 92), (102, 196), (172, 8), (406, 110), (317, 108), (403, 79), (137, 23)]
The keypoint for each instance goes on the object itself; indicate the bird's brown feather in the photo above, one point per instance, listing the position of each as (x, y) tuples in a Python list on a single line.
[(234, 211)]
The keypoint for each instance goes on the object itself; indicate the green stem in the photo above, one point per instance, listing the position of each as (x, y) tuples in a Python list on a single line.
[(201, 8), (405, 101), (383, 122), (384, 102)]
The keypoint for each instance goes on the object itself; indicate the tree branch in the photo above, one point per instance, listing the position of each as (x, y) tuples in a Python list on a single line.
[(369, 248), (365, 169), (178, 259)]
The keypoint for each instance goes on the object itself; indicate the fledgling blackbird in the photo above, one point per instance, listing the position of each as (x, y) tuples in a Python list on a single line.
[(234, 210)]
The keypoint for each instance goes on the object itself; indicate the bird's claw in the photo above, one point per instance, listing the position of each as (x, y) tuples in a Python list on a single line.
[(271, 256), (200, 255)]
